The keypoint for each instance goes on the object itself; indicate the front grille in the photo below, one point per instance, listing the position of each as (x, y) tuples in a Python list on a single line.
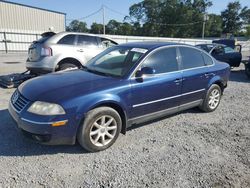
[(18, 101)]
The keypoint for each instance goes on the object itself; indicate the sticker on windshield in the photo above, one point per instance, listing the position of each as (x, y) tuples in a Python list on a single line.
[(139, 50)]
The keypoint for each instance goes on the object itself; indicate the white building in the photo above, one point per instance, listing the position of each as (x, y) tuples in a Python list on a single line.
[(21, 24)]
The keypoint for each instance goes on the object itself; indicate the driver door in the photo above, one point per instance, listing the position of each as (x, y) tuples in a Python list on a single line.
[(159, 92)]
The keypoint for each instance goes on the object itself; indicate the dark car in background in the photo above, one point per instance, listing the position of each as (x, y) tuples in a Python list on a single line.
[(124, 85), (223, 53)]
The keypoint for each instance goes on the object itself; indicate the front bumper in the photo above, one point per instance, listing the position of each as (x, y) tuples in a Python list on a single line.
[(43, 131)]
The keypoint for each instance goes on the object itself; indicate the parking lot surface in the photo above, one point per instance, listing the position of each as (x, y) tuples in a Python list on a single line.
[(188, 149)]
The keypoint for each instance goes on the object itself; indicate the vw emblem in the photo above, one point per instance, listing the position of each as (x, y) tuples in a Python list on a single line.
[(15, 97)]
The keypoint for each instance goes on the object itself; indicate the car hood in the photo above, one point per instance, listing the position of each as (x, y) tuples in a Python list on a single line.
[(57, 86)]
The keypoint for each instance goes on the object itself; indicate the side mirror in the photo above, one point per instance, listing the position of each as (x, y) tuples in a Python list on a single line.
[(144, 71)]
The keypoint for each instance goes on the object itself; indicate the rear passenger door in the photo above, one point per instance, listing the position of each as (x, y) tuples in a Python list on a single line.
[(196, 75), (87, 47)]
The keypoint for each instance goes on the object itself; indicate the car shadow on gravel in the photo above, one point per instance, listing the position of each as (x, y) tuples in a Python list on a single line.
[(13, 143), (239, 76)]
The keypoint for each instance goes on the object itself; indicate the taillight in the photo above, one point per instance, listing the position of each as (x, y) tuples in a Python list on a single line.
[(46, 51)]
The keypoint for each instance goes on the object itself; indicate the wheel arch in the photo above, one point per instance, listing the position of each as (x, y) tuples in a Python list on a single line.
[(108, 103), (218, 81), (114, 105), (69, 60)]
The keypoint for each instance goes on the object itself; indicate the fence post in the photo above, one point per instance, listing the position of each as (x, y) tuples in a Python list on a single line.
[(5, 42)]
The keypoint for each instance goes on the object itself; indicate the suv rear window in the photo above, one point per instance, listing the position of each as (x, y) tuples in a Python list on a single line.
[(86, 40), (68, 39)]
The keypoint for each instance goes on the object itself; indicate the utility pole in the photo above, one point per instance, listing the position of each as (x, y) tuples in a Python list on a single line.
[(205, 18), (103, 19)]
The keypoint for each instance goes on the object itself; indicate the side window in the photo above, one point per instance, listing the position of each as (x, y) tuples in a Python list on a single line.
[(86, 40), (228, 50), (162, 61), (191, 58), (208, 60), (106, 43), (68, 39)]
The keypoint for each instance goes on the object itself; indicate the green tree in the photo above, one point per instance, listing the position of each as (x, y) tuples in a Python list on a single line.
[(96, 28), (231, 21), (77, 26), (113, 27), (214, 26), (247, 34), (172, 18), (245, 15), (125, 29)]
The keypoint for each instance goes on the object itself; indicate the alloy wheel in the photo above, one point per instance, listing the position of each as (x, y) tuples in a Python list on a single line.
[(103, 130), (214, 99)]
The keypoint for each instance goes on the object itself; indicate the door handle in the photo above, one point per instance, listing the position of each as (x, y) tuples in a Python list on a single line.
[(178, 80), (209, 74), (80, 50)]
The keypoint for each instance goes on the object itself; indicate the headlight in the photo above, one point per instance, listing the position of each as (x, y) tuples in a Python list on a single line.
[(44, 108)]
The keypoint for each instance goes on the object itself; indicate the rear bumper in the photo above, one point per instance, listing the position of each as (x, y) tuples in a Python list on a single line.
[(43, 132), (44, 65)]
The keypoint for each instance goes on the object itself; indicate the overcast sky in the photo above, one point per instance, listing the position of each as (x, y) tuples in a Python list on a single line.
[(81, 8)]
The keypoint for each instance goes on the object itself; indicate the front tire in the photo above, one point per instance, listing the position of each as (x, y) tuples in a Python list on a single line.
[(100, 129), (212, 100)]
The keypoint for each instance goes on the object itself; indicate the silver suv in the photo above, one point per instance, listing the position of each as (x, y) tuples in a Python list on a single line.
[(65, 50)]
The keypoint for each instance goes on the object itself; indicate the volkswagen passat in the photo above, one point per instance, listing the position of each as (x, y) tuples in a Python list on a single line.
[(124, 85)]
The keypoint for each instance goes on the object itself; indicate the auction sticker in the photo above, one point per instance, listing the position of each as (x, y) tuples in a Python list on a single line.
[(139, 50)]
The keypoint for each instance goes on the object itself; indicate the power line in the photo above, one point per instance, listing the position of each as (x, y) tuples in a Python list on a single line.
[(85, 17), (182, 24), (117, 12), (112, 10)]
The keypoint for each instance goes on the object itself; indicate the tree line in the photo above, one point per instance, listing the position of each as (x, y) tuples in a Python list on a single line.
[(174, 18)]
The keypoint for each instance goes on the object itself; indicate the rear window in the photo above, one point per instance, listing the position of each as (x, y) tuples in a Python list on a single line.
[(68, 39), (208, 60), (191, 58), (44, 37), (207, 48), (42, 40)]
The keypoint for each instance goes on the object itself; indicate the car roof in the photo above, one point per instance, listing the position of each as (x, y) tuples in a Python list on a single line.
[(63, 33), (151, 44), (211, 44), (80, 33)]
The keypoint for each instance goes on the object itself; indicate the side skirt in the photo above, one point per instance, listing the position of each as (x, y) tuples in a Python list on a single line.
[(162, 113)]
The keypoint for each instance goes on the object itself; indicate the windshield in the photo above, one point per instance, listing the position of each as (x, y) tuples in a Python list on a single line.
[(115, 61)]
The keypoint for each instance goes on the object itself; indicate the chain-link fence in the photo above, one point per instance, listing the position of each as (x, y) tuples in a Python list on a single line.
[(16, 42)]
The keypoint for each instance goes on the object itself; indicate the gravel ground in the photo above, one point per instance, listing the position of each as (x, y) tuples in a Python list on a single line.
[(189, 149)]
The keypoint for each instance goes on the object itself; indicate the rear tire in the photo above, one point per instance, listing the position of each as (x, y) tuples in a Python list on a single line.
[(67, 66), (212, 100), (100, 129)]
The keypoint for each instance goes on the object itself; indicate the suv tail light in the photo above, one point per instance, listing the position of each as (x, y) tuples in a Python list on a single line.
[(46, 51)]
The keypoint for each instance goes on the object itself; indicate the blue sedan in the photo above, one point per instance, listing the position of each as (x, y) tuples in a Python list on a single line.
[(124, 85)]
